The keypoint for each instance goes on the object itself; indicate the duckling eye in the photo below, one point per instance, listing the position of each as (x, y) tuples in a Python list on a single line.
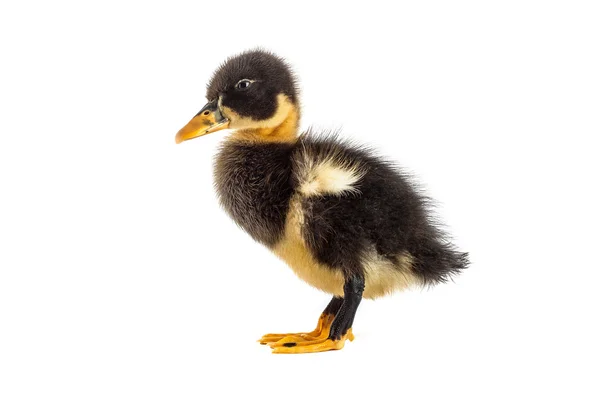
[(243, 84)]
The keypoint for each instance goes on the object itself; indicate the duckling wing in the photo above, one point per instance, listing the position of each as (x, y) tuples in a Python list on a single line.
[(361, 215)]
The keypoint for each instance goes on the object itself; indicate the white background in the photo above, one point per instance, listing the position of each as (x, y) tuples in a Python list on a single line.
[(121, 278)]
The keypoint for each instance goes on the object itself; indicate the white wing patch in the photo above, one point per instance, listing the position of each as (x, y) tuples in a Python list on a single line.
[(329, 177)]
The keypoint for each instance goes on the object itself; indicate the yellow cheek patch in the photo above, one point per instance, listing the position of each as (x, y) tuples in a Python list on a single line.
[(281, 127)]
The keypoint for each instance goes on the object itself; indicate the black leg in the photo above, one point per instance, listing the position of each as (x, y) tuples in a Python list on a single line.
[(353, 290), (333, 306), (344, 310)]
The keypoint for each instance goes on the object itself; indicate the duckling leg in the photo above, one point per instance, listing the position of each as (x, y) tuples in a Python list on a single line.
[(321, 331), (341, 327)]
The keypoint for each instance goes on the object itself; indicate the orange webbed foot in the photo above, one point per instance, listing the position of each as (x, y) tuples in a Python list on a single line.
[(312, 346), (322, 328)]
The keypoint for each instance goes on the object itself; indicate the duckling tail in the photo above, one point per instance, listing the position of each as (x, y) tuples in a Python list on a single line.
[(437, 261)]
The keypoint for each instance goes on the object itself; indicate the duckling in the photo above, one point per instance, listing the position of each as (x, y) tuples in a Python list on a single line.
[(345, 220)]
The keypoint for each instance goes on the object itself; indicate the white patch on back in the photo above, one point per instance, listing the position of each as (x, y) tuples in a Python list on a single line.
[(328, 178), (334, 174)]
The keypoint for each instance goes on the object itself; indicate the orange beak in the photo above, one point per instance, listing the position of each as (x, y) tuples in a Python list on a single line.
[(208, 120)]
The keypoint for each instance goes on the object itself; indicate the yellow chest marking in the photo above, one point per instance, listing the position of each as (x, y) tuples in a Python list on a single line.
[(293, 250)]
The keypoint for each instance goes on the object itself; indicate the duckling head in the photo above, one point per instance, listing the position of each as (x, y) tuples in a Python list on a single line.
[(253, 93)]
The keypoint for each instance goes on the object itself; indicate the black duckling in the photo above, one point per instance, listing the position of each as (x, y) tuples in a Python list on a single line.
[(346, 221)]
